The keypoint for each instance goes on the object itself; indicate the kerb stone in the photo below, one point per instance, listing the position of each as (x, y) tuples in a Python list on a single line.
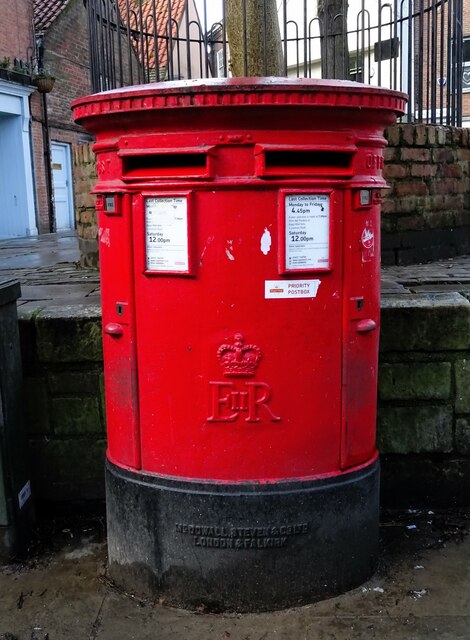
[(425, 322)]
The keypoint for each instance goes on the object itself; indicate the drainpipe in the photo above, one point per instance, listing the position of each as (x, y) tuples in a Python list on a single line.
[(46, 142), (48, 161)]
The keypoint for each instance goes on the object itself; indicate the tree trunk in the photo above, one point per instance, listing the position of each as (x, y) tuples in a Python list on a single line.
[(254, 38), (334, 38)]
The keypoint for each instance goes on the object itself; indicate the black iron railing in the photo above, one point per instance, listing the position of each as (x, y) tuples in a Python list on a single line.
[(415, 46)]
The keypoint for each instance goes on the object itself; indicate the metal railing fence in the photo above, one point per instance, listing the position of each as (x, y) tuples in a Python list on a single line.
[(415, 46)]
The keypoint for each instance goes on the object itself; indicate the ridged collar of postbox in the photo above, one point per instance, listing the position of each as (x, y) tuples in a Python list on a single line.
[(239, 92)]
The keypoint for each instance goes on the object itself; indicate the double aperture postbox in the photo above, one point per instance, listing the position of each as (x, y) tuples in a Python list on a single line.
[(239, 255)]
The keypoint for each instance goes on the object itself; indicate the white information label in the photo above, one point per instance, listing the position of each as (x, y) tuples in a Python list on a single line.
[(307, 231), (166, 234), (291, 288), (109, 204), (24, 494)]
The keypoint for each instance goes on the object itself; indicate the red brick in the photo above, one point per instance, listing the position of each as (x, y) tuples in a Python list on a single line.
[(451, 170), (436, 202), (416, 155), (406, 204), (421, 135), (443, 155), (431, 135), (454, 201), (15, 29), (457, 135), (423, 170), (461, 186), (408, 133), (443, 186), (412, 188), (441, 133), (391, 154), (409, 223), (388, 206), (393, 135), (392, 171)]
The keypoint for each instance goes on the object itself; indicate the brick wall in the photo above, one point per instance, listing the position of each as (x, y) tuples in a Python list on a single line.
[(66, 55), (426, 212), (39, 161), (16, 33)]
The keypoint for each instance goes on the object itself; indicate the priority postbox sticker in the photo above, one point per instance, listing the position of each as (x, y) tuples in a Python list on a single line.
[(166, 234), (307, 231), (294, 289)]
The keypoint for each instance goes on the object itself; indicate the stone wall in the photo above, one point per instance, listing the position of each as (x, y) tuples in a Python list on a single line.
[(85, 176), (426, 212), (64, 408), (423, 416), (423, 426)]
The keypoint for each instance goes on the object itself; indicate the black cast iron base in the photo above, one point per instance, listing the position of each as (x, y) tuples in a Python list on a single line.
[(244, 547)]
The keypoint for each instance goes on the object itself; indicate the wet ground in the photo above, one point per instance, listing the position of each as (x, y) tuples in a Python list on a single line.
[(421, 590)]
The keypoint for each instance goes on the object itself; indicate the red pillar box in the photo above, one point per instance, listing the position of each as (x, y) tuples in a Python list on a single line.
[(239, 237)]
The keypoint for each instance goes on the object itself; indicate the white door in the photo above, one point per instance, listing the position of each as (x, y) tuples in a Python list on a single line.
[(17, 210), (62, 181)]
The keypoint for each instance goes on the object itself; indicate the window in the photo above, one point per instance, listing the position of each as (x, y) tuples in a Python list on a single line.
[(356, 66), (220, 63), (466, 64)]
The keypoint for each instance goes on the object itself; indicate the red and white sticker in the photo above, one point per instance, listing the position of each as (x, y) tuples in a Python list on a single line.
[(294, 289), (368, 244)]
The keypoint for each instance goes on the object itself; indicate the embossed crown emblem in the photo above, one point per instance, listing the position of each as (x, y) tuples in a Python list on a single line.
[(239, 359)]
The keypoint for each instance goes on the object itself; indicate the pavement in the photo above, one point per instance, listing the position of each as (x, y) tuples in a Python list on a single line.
[(47, 267), (421, 589)]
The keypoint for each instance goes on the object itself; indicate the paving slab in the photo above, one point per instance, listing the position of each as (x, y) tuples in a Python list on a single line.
[(52, 260), (53, 291)]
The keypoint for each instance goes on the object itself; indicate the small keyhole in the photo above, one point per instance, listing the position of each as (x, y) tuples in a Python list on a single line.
[(119, 309), (359, 303)]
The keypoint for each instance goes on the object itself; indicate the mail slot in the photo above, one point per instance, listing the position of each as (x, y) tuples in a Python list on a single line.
[(239, 252)]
